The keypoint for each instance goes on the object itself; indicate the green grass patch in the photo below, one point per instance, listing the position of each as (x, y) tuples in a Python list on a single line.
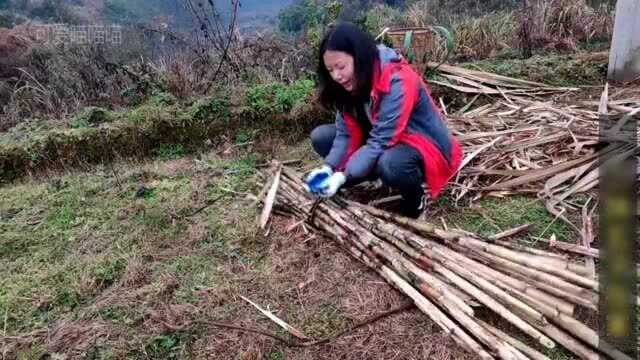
[(148, 112), (163, 347), (172, 151), (67, 241), (557, 70), (492, 215), (278, 97), (210, 109)]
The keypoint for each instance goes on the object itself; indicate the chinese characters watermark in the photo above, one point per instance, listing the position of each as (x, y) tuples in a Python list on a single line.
[(80, 34)]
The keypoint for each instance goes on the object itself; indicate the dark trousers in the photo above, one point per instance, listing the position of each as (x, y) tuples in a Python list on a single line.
[(399, 167)]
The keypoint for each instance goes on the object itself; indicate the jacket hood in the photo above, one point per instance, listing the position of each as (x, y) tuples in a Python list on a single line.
[(387, 55)]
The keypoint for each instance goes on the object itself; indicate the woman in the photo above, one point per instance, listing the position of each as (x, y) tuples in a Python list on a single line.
[(387, 125)]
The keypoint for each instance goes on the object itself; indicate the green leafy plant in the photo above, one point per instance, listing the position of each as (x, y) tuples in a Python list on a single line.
[(163, 98), (299, 15), (108, 272), (91, 116), (381, 16), (68, 298), (147, 112), (167, 152), (163, 347), (278, 97), (212, 108)]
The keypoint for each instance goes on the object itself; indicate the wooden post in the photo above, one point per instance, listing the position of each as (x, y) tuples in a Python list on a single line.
[(624, 57)]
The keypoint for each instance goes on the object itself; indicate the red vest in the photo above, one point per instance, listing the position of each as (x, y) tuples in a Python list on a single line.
[(438, 171)]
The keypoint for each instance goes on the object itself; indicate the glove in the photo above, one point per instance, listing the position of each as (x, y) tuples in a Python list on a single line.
[(330, 186), (316, 177)]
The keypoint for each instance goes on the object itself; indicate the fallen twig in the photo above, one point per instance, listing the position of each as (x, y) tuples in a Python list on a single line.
[(330, 338)]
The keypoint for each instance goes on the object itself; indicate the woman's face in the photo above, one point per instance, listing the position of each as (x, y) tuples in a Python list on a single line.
[(340, 66)]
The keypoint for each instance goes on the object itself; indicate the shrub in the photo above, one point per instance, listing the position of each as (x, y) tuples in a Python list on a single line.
[(210, 109), (297, 16), (91, 116), (147, 113), (278, 97), (482, 37), (163, 98), (381, 16)]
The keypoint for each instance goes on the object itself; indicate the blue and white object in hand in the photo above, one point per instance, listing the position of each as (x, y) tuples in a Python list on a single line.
[(330, 186), (317, 177)]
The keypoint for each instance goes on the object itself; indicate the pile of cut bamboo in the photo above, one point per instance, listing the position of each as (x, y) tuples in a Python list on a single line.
[(447, 273), (524, 143), (481, 82)]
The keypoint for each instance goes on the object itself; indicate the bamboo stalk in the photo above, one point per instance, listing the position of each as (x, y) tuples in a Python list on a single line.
[(468, 287), (558, 268), (507, 282), (565, 307), (574, 248), (540, 261), (438, 285), (504, 350), (558, 286), (395, 253), (544, 281), (568, 341), (271, 196), (459, 335), (427, 283), (525, 349)]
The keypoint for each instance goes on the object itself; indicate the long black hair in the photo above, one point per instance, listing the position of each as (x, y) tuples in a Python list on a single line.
[(350, 39)]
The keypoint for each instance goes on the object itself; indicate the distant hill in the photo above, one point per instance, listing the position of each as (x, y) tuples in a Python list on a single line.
[(252, 13)]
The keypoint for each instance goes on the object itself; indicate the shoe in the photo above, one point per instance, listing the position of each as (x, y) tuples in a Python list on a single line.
[(413, 207)]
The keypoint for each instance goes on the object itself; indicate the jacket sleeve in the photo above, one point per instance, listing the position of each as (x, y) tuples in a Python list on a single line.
[(394, 112), (340, 144)]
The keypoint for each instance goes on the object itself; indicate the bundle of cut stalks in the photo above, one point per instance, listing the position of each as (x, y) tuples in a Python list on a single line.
[(522, 143), (480, 82), (446, 273)]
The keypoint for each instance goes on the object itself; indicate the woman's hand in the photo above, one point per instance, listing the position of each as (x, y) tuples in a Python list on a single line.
[(330, 186), (316, 177)]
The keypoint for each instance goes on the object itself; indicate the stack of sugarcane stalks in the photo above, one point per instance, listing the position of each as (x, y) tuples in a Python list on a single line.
[(541, 146), (446, 273), (520, 144), (485, 83)]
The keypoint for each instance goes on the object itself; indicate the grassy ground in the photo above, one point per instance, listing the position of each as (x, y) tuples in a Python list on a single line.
[(118, 262), (579, 69)]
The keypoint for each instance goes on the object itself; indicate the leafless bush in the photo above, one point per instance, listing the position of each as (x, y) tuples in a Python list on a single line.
[(49, 79)]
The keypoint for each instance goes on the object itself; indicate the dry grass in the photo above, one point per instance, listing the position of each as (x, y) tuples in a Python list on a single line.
[(181, 272), (547, 25), (562, 24), (484, 36), (317, 288)]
